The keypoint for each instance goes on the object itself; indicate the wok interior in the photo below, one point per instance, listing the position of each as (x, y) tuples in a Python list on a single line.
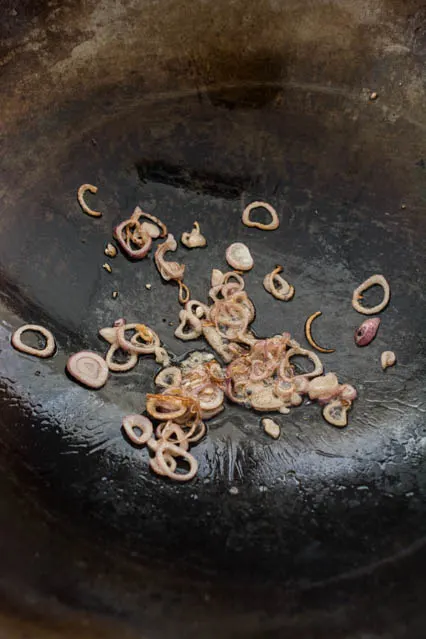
[(193, 128)]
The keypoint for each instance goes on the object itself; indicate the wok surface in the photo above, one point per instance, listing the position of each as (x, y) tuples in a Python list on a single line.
[(196, 136)]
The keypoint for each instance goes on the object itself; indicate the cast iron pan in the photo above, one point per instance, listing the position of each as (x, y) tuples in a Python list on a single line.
[(319, 506)]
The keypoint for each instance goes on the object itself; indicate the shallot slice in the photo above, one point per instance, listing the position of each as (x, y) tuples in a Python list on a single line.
[(130, 233), (271, 428), (194, 239), (318, 367), (175, 451), (173, 434), (371, 281), (88, 368), (217, 277), (120, 367), (278, 286), (138, 213), (169, 377), (190, 326), (48, 349), (271, 226), (335, 413), (80, 196), (150, 339), (166, 407), (323, 387), (367, 331), (239, 257), (132, 422), (387, 358), (309, 337), (168, 270)]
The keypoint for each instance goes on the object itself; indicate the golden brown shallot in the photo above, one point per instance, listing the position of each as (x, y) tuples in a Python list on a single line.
[(271, 226), (378, 280), (387, 358), (88, 368), (277, 285), (194, 239), (48, 349), (184, 292), (110, 250), (309, 337), (239, 257), (131, 423), (80, 196)]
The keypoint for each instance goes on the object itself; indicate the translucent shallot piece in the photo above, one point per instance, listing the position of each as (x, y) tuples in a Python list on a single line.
[(132, 424), (194, 239), (271, 428), (387, 358), (168, 270), (239, 257), (335, 413)]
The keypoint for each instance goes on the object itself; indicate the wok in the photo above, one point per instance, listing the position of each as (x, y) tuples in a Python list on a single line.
[(192, 110)]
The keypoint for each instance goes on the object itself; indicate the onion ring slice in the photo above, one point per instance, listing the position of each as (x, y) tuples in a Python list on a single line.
[(371, 281), (309, 337), (88, 368), (80, 197), (175, 451), (273, 224), (282, 290), (130, 422), (47, 351), (120, 367)]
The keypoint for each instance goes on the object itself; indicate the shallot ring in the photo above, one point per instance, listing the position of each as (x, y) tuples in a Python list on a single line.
[(133, 346), (318, 367), (270, 287), (120, 367), (80, 197), (168, 459), (175, 451), (184, 292), (130, 422), (47, 351), (371, 281), (273, 224), (152, 399), (309, 337), (138, 213)]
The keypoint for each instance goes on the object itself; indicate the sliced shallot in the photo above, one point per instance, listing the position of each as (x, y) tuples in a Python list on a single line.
[(271, 226), (88, 368), (277, 285), (141, 423), (271, 428), (239, 257), (367, 331), (335, 413), (80, 196), (194, 239), (168, 270), (175, 451), (387, 358), (48, 349), (130, 234), (371, 281), (309, 337)]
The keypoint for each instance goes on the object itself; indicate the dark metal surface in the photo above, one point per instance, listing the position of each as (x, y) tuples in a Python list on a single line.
[(193, 129)]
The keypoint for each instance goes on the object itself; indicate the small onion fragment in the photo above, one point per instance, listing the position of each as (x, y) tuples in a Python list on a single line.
[(277, 285), (132, 422), (271, 428), (194, 239), (80, 196), (335, 413), (367, 331), (168, 270), (239, 257), (387, 358), (175, 451), (271, 226), (88, 368), (47, 351), (371, 281)]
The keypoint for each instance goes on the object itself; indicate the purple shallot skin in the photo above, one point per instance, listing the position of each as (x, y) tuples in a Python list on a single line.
[(367, 331)]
